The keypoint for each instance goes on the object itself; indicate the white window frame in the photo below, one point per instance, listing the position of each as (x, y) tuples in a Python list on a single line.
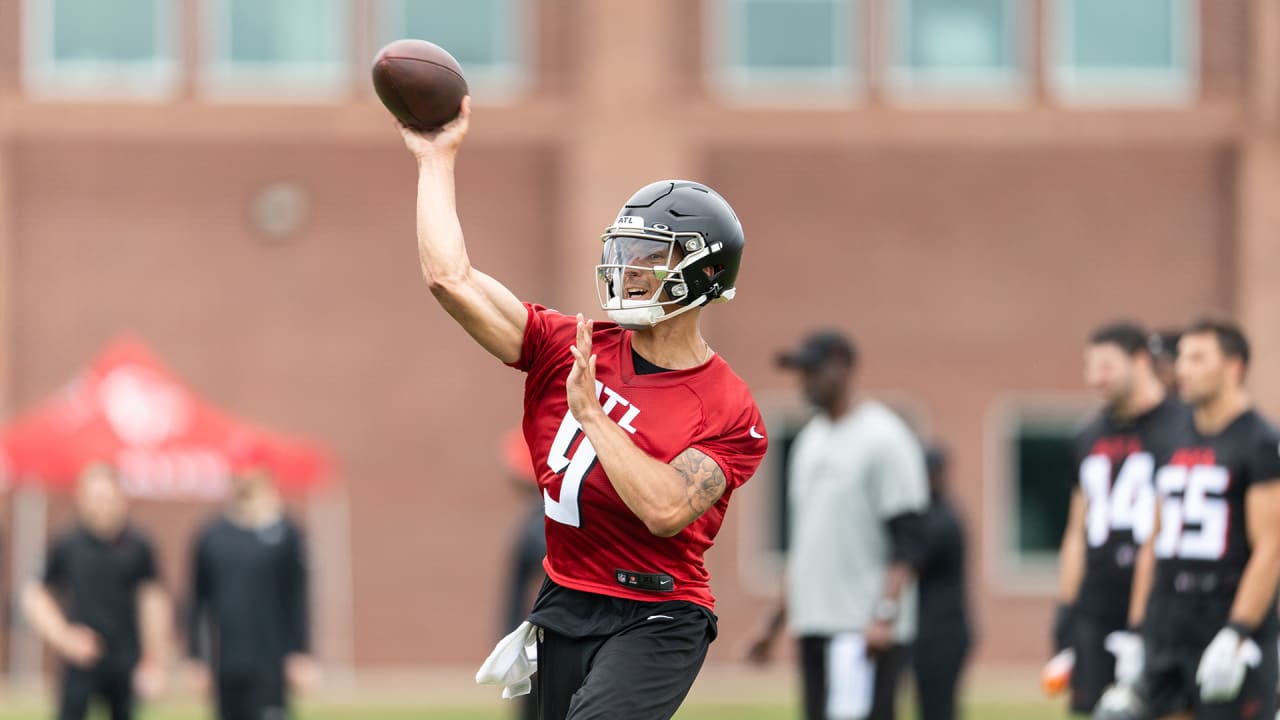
[(493, 83), (838, 86), (223, 79), (908, 83), (45, 77), (1123, 86), (1008, 570)]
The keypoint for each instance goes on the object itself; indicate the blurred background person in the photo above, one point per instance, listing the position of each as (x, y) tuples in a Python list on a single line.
[(1164, 354), (528, 548), (944, 636), (100, 604), (248, 630), (1112, 510), (858, 489), (1204, 607)]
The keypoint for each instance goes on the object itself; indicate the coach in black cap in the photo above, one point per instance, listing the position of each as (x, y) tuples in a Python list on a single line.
[(818, 350), (856, 489)]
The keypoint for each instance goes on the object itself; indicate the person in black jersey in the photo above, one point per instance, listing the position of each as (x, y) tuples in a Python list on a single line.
[(1164, 350), (248, 628), (100, 604), (1111, 505), (1205, 593), (943, 634), (528, 548)]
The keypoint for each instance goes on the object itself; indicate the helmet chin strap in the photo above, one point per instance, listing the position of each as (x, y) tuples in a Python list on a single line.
[(646, 315)]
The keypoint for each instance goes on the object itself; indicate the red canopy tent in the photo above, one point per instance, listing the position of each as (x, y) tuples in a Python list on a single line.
[(128, 410)]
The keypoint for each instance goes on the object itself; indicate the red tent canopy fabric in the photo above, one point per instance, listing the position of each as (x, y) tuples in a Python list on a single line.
[(128, 410)]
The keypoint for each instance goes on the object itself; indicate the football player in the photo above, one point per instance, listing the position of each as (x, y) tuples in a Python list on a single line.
[(1164, 348), (1208, 624), (639, 430), (1112, 504)]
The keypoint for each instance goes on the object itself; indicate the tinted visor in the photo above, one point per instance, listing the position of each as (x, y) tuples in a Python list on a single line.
[(636, 252)]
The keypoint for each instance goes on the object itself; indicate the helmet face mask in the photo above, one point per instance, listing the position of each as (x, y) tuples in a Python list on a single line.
[(675, 246), (641, 275)]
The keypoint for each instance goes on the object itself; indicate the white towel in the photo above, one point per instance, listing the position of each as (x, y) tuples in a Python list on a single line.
[(851, 677), (513, 660)]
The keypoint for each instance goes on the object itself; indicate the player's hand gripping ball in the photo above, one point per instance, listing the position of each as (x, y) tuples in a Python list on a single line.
[(419, 82)]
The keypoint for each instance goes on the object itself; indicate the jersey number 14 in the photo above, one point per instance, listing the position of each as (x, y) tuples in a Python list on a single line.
[(1129, 504)]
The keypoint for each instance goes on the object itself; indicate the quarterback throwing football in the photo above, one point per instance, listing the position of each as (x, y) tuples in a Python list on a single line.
[(639, 431)]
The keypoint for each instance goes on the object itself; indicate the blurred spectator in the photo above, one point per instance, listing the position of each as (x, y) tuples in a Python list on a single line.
[(529, 547), (1164, 352), (857, 488), (248, 629), (100, 604), (943, 638)]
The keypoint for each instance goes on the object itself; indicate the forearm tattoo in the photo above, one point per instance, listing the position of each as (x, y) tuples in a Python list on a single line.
[(703, 479)]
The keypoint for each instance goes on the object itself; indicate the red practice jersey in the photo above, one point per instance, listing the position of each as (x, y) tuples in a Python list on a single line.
[(593, 540)]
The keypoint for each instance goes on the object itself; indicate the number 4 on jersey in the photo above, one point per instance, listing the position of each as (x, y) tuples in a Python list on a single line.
[(1128, 505), (572, 470)]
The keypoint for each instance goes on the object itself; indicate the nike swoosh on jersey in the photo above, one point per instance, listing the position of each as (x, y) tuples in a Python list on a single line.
[(755, 434)]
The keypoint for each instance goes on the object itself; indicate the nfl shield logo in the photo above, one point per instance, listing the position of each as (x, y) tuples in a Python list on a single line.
[(622, 577)]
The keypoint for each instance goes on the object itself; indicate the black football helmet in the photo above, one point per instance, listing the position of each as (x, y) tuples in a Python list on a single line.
[(675, 246)]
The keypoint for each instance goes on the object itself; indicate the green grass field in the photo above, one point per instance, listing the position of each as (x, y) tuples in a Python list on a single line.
[(975, 711)]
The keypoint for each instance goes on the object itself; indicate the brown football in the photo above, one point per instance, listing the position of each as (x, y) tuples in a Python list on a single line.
[(419, 82)]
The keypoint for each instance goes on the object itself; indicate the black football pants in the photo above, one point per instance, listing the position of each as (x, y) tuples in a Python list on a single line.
[(937, 662), (114, 686), (253, 696), (641, 673)]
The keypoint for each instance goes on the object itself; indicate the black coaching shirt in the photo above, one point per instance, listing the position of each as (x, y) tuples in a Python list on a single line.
[(1116, 461), (1203, 483), (943, 608), (97, 582), (249, 596)]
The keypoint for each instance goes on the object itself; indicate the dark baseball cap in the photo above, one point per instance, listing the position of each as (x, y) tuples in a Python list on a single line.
[(1164, 343), (819, 348)]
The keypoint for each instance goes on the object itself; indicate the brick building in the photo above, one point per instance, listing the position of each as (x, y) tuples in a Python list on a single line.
[(967, 187)]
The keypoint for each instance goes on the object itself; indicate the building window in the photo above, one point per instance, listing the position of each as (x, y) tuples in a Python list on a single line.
[(1136, 51), (781, 51), (489, 38), (1031, 475), (277, 49), (1044, 471), (945, 48), (120, 50)]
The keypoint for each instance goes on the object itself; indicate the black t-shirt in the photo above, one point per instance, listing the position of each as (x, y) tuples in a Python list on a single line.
[(643, 366), (525, 564), (943, 606), (1203, 483), (250, 585), (98, 581), (1116, 461)]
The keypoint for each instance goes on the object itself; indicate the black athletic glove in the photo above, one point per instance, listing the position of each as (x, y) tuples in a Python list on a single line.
[(1063, 626)]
